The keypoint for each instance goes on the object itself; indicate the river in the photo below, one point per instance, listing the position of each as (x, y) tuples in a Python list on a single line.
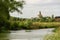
[(38, 34)]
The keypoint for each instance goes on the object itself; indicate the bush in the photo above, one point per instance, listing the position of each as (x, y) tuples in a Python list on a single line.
[(28, 24), (14, 26), (22, 25), (25, 24), (4, 25)]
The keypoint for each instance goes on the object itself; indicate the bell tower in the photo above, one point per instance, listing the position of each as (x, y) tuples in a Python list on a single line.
[(40, 15)]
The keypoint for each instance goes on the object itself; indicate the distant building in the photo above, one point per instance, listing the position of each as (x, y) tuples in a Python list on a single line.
[(57, 18), (52, 16), (40, 15)]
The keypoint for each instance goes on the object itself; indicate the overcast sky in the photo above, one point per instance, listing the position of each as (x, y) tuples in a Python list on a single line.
[(32, 8)]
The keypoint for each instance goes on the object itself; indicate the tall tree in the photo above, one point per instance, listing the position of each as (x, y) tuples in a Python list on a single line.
[(7, 6)]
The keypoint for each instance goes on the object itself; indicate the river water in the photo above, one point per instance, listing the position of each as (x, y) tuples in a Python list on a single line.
[(24, 35)]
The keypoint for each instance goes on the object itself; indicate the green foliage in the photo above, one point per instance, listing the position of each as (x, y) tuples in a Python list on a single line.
[(46, 19), (43, 19), (14, 26), (4, 25), (20, 25), (11, 5), (7, 6), (28, 24)]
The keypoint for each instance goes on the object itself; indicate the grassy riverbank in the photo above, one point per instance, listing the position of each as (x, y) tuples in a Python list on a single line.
[(55, 36), (33, 25), (18, 25)]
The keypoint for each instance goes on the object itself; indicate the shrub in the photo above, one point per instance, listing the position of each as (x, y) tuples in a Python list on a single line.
[(14, 26), (4, 24), (25, 24)]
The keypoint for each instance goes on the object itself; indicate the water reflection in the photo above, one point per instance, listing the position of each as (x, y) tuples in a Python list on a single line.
[(23, 35), (4, 36)]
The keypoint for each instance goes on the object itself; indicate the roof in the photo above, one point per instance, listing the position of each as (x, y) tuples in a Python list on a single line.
[(57, 17)]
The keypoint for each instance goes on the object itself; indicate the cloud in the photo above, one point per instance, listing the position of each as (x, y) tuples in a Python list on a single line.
[(41, 1), (47, 7), (37, 1)]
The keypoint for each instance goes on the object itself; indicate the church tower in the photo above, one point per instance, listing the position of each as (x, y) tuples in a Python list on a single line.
[(40, 15)]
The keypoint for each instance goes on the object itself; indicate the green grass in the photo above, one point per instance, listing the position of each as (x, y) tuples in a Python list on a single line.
[(33, 25), (55, 36), (46, 24)]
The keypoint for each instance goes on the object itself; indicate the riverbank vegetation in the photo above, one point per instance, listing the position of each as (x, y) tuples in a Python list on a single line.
[(27, 24), (54, 36), (33, 23)]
